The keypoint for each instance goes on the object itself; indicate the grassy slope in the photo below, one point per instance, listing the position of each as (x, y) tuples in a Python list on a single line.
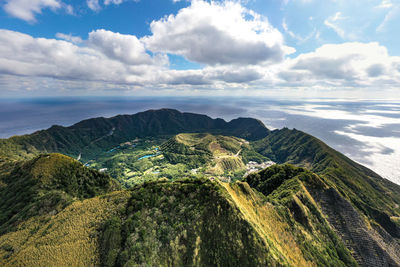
[(286, 187), (377, 198), (202, 223), (51, 212), (182, 223), (46, 184), (35, 191), (185, 223), (267, 222), (68, 238)]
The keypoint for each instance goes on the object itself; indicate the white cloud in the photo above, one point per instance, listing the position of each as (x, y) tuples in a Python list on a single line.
[(122, 59), (93, 5), (121, 47), (105, 57), (69, 37), (218, 33), (348, 64), (238, 47), (27, 9), (23, 55)]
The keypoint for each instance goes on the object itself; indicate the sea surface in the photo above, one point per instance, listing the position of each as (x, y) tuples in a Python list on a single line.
[(366, 131)]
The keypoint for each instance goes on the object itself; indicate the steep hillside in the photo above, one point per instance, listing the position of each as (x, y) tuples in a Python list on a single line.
[(56, 211), (375, 197), (301, 244), (45, 185), (90, 136), (192, 222), (204, 223), (319, 208), (68, 238), (182, 223)]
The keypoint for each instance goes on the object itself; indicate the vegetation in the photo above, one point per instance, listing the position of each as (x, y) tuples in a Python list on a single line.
[(188, 202), (217, 154), (286, 187), (46, 185), (93, 136), (375, 197), (182, 223), (68, 238), (182, 156)]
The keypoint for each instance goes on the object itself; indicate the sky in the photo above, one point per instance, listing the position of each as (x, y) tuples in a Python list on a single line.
[(298, 48)]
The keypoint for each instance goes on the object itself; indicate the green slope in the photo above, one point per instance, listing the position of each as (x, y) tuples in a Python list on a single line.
[(330, 212), (45, 185), (376, 197), (373, 203), (89, 137), (193, 222), (67, 238), (182, 223)]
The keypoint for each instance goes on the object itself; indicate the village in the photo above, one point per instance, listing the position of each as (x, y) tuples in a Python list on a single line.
[(253, 166)]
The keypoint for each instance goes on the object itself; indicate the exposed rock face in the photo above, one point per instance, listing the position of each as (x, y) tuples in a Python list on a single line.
[(370, 246)]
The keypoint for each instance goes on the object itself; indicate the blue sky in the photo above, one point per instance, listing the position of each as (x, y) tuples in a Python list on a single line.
[(332, 48)]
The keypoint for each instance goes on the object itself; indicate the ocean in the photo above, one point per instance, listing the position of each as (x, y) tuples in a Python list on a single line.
[(366, 131)]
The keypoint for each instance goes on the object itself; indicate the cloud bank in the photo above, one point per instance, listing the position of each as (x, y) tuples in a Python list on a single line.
[(236, 47)]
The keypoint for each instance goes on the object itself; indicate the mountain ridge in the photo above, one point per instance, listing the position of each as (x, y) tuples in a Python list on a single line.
[(330, 209), (101, 131)]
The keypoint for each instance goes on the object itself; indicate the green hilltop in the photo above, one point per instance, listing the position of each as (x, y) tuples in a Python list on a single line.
[(88, 137), (165, 188)]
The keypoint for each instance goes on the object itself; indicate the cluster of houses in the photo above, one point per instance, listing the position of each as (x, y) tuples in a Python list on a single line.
[(253, 166)]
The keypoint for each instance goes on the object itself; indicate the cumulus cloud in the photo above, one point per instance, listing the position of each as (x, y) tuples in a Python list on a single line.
[(125, 48), (104, 57), (21, 54), (27, 9), (122, 59), (347, 64), (239, 49), (218, 33)]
